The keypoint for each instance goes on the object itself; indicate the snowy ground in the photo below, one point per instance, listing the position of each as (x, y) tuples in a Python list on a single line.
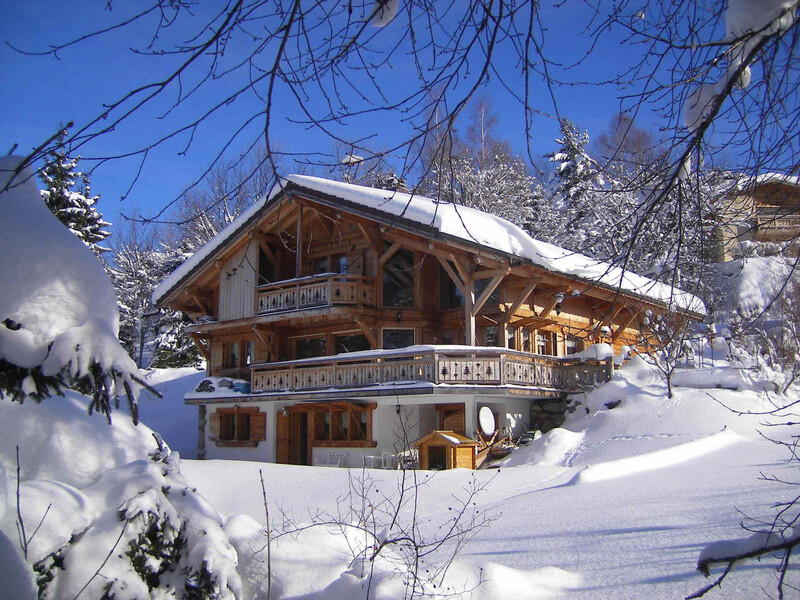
[(617, 504), (620, 508)]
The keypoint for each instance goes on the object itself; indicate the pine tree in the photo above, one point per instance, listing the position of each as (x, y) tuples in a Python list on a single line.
[(586, 213), (172, 346), (134, 273), (68, 195)]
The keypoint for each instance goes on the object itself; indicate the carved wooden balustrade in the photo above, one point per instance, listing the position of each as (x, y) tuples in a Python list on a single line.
[(315, 291), (466, 366)]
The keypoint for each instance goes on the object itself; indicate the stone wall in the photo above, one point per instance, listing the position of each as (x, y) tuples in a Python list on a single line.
[(550, 413)]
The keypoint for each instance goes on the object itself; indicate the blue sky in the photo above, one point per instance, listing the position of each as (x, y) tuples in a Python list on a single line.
[(38, 93)]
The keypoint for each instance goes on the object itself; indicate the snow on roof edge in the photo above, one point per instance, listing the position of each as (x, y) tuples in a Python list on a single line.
[(186, 267), (471, 225), (420, 210)]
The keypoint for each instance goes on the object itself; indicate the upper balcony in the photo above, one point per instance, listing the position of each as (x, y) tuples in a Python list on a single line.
[(487, 367), (315, 291)]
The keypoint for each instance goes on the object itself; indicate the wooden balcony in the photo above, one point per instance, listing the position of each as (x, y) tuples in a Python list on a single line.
[(315, 291), (436, 365)]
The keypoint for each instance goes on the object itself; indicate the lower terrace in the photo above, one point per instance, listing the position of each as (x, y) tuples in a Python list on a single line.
[(480, 367)]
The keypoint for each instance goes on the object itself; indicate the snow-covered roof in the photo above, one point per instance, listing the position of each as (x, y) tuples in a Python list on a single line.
[(776, 178), (424, 215)]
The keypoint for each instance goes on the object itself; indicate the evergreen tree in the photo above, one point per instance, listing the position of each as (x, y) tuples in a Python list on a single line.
[(585, 211), (68, 195), (172, 346), (153, 338), (134, 273), (483, 173)]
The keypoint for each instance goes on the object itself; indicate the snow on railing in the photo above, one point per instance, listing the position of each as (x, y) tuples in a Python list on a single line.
[(470, 366), (315, 291)]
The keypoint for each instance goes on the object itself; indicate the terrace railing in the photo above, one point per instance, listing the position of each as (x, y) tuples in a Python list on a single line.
[(465, 366), (314, 292)]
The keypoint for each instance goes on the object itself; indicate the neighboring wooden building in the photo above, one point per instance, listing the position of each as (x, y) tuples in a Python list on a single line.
[(758, 209), (355, 312)]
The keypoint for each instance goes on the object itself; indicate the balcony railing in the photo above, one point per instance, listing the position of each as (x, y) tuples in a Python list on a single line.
[(315, 291), (437, 365)]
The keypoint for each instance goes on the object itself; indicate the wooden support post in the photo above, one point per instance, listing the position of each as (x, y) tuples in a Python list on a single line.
[(452, 275), (298, 264), (487, 292), (469, 314), (546, 310), (197, 295), (388, 254), (268, 251), (522, 298), (369, 332), (502, 332), (201, 432), (618, 331)]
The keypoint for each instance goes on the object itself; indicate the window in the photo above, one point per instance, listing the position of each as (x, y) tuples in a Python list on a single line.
[(480, 285), (525, 338), (230, 355), (238, 426), (310, 347), (449, 295), (320, 266), (490, 335), (448, 337), (397, 338), (237, 354), (337, 423), (545, 343), (398, 280), (265, 271), (573, 344), (340, 264), (351, 343)]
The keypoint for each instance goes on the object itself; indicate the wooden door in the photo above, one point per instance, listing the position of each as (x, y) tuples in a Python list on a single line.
[(282, 438)]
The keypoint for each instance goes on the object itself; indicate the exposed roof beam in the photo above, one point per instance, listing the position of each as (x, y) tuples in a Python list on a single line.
[(527, 290), (487, 292)]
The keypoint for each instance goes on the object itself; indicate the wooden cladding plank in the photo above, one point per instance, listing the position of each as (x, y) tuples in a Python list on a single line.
[(213, 426), (237, 285)]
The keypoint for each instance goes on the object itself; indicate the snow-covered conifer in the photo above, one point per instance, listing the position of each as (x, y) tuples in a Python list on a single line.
[(58, 314), (68, 195), (584, 208)]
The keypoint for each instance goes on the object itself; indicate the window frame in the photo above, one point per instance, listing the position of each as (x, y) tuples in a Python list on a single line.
[(237, 427), (386, 329)]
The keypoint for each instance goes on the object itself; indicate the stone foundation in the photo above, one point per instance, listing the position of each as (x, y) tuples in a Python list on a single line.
[(549, 414)]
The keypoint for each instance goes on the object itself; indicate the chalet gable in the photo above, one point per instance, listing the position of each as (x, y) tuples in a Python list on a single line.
[(439, 228)]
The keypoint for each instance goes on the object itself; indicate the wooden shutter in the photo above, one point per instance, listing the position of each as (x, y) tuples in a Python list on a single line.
[(213, 426), (258, 427), (282, 438)]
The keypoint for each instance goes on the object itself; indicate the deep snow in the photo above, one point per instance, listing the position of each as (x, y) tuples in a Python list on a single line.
[(617, 503)]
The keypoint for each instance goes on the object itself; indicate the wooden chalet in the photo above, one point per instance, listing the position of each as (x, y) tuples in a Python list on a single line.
[(765, 208), (343, 314)]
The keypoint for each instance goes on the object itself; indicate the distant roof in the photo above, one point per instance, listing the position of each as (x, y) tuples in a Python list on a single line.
[(424, 215), (777, 178)]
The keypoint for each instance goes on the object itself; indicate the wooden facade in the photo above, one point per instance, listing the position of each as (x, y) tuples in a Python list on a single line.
[(762, 209), (300, 295)]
